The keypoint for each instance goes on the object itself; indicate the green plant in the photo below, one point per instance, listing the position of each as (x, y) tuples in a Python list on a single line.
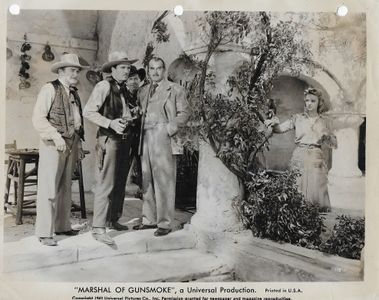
[(347, 239), (276, 210)]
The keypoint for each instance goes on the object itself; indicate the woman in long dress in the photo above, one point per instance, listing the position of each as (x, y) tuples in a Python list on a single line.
[(311, 131)]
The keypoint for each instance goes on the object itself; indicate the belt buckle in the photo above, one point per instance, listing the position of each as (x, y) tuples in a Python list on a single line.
[(124, 136)]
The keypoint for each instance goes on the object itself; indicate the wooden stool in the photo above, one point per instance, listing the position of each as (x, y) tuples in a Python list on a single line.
[(17, 161)]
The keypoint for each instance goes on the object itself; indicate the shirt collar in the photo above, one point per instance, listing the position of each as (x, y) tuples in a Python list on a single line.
[(64, 84), (119, 83), (159, 83)]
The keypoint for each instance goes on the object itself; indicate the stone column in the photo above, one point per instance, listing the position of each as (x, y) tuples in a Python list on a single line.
[(345, 157), (346, 184), (217, 187)]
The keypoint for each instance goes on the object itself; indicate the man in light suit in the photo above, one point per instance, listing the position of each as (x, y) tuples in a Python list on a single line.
[(165, 110)]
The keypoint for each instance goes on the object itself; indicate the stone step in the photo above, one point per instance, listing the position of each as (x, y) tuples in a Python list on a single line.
[(163, 266), (29, 254)]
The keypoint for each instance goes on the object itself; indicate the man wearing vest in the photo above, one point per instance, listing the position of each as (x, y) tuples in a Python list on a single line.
[(57, 116), (165, 110), (108, 109)]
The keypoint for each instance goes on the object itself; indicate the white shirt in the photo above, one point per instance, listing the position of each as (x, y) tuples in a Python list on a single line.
[(95, 102), (41, 110)]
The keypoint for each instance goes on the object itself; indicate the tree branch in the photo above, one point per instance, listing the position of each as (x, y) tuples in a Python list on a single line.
[(159, 19)]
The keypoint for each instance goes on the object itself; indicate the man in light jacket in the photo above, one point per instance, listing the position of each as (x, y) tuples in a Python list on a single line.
[(165, 110)]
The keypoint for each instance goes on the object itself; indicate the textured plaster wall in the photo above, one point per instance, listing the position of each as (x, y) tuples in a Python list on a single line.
[(105, 25), (342, 49), (66, 23)]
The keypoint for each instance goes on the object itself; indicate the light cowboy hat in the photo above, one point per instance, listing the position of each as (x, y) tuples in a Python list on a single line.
[(116, 58), (67, 60)]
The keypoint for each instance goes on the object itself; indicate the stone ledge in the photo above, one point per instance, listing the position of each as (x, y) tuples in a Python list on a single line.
[(29, 254), (257, 259), (163, 266)]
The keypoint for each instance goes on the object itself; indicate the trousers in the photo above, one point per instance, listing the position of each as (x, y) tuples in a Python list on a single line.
[(55, 171), (113, 158), (158, 178)]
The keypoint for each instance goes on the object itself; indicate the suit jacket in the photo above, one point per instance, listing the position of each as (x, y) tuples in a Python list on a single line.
[(175, 107)]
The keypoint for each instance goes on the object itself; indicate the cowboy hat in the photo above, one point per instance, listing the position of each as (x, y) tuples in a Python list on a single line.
[(116, 58), (140, 72), (67, 60)]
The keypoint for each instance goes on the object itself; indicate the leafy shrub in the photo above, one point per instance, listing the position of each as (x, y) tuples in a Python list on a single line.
[(347, 239), (276, 210)]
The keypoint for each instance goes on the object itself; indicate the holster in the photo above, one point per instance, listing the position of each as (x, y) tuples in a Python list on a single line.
[(100, 151)]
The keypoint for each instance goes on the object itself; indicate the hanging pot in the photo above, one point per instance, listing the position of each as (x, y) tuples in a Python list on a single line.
[(24, 84), (94, 77), (48, 55), (25, 47)]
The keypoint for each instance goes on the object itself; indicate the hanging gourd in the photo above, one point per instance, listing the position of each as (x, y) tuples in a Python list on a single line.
[(24, 58), (48, 55)]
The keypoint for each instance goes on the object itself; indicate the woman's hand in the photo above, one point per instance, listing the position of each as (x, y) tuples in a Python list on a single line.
[(272, 122)]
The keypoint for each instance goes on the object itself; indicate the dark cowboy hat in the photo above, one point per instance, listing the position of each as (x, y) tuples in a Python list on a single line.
[(116, 58), (140, 72)]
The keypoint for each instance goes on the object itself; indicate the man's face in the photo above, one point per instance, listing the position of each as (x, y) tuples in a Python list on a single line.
[(69, 75), (156, 70), (133, 83), (121, 72)]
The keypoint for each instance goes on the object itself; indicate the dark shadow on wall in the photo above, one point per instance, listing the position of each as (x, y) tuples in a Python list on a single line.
[(362, 147), (288, 93), (81, 23)]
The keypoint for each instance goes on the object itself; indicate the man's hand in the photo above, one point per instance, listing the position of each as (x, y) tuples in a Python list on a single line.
[(118, 125), (60, 143), (81, 154)]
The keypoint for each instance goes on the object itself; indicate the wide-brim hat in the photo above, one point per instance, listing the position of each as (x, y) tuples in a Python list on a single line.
[(140, 72), (117, 58), (68, 60)]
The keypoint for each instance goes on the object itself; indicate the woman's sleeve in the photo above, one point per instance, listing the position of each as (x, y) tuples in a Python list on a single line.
[(286, 125)]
